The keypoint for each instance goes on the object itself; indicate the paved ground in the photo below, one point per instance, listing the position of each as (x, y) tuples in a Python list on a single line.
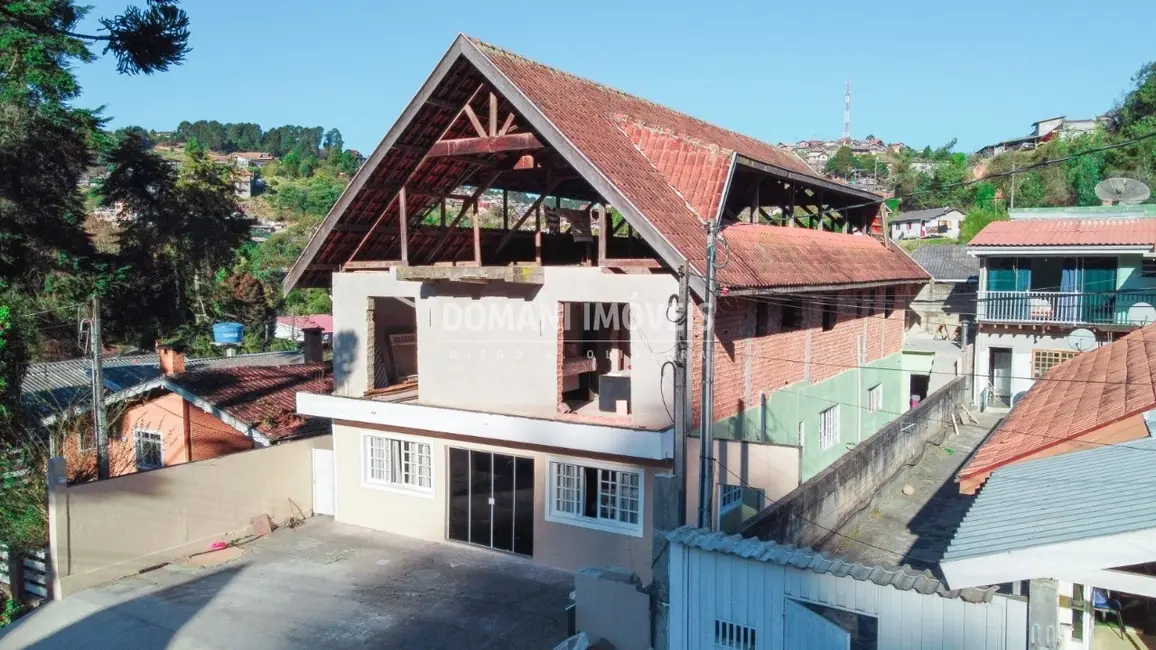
[(323, 585)]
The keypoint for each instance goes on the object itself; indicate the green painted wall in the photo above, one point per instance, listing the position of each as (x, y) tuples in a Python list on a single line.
[(785, 408)]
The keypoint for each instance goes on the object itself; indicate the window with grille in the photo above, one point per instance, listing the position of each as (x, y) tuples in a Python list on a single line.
[(398, 463), (729, 497), (829, 428), (732, 636), (596, 497), (1044, 360), (148, 449), (875, 398)]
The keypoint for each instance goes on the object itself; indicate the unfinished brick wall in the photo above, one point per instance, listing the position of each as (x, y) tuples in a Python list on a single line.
[(210, 437), (747, 364)]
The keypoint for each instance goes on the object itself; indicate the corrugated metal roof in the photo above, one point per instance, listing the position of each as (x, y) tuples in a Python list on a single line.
[(902, 578), (60, 385), (1022, 506), (947, 262)]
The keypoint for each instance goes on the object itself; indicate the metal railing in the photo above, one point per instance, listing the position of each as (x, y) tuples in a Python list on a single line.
[(1134, 308)]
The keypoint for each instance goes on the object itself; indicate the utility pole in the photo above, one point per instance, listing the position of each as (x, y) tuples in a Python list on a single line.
[(1013, 181), (681, 405), (706, 424), (98, 423)]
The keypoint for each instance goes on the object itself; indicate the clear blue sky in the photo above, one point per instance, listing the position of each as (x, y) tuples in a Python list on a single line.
[(921, 72)]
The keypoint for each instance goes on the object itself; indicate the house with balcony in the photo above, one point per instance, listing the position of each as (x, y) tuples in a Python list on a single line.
[(1055, 282), (510, 382)]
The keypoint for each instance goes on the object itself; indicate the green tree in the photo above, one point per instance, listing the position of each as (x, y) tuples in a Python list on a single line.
[(976, 220), (841, 163)]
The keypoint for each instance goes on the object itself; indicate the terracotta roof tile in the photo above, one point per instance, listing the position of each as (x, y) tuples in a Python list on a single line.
[(1090, 391), (262, 397), (800, 256), (1139, 231)]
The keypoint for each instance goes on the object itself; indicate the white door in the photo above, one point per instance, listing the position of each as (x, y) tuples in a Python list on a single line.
[(806, 629), (323, 481)]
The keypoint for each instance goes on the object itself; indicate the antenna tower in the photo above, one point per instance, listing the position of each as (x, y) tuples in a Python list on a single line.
[(847, 112)]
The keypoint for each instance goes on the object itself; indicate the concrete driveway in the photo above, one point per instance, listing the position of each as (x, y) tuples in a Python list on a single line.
[(322, 585)]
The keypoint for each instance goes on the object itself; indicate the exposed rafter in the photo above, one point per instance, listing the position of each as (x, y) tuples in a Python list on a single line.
[(485, 144)]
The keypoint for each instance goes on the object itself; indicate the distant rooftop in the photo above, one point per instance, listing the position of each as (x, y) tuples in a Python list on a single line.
[(947, 263), (921, 215), (1092, 212), (1091, 229), (59, 385)]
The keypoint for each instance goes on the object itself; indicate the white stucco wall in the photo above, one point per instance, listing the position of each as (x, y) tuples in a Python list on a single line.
[(424, 516), (1021, 345), (495, 347)]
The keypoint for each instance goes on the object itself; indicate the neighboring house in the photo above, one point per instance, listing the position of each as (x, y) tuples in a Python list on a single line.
[(1096, 398), (181, 416), (1044, 131), (1087, 554), (949, 299), (292, 328), (1051, 271), (921, 224), (850, 558), (512, 387), (55, 387), (252, 158)]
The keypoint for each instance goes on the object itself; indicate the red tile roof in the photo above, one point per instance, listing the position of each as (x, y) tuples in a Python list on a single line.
[(1076, 397), (669, 169), (674, 169), (263, 397), (801, 256), (1140, 231)]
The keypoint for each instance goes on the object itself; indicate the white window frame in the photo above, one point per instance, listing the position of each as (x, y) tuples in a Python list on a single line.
[(560, 516), (388, 483), (154, 436), (729, 497), (829, 428), (875, 398)]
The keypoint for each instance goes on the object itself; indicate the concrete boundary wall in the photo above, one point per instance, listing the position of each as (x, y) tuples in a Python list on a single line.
[(809, 513), (107, 530)]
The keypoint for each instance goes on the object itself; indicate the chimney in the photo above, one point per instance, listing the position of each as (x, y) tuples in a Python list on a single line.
[(171, 360), (312, 344)]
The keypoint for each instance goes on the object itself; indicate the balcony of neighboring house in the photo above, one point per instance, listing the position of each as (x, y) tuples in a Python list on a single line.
[(1100, 291)]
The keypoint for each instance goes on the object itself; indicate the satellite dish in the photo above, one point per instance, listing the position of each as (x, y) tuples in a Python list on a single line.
[(1141, 314), (1081, 340), (1125, 191)]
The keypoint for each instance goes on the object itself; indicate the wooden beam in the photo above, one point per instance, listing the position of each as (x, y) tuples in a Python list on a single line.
[(763, 213), (481, 189), (441, 103), (603, 236), (370, 265), (526, 215), (443, 210), (412, 148), (506, 125), (477, 224), (403, 225), (485, 144), (505, 209), (469, 111), (493, 114), (638, 263), (351, 227)]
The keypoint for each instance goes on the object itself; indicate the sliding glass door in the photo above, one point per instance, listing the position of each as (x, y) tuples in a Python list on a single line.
[(491, 500)]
